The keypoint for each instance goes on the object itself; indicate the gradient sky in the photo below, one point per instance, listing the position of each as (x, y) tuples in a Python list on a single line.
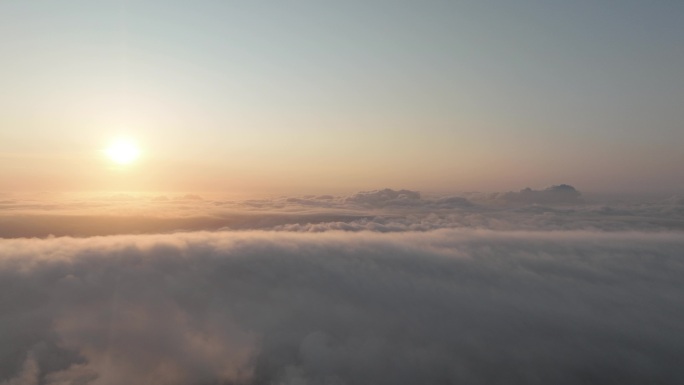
[(323, 96)]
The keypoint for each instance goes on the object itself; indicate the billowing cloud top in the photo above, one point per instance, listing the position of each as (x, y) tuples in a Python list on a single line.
[(385, 197), (447, 306), (555, 194)]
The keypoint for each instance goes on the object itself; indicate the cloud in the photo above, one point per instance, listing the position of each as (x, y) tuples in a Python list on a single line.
[(444, 306), (555, 194), (380, 210), (384, 197)]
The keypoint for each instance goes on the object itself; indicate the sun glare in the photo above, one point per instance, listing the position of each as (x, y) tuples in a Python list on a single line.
[(123, 152)]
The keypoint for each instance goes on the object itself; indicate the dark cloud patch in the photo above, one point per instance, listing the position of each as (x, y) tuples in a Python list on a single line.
[(555, 194), (385, 197), (453, 202), (446, 306), (377, 199)]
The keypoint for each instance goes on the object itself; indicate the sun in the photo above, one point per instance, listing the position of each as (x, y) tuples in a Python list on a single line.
[(123, 152)]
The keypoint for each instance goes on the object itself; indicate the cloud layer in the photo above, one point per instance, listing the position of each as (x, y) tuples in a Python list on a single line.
[(555, 208), (443, 306)]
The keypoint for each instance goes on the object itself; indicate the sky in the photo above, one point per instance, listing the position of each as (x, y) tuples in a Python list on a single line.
[(337, 97)]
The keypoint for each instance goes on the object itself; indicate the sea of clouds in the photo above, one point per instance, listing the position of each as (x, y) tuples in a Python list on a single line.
[(555, 208), (379, 287)]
